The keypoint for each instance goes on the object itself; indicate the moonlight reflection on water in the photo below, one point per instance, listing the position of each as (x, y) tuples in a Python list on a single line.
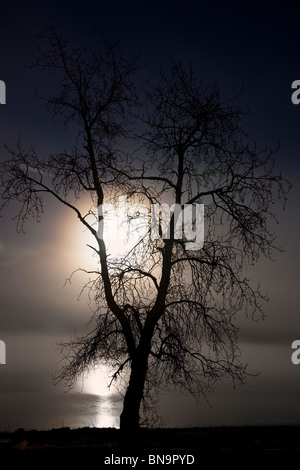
[(105, 409)]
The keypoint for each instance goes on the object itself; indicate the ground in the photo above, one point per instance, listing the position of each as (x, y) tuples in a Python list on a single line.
[(108, 441)]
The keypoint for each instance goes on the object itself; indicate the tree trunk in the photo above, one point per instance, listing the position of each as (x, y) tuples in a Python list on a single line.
[(129, 419)]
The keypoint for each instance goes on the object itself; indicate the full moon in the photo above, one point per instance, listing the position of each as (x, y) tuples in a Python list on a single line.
[(120, 233), (96, 382)]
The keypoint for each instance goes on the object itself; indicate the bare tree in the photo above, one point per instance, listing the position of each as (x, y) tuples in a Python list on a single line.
[(163, 312)]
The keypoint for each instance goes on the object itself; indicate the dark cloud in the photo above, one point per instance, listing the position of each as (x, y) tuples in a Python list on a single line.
[(35, 300)]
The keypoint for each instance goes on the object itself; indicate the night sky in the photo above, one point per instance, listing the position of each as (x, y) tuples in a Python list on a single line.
[(241, 45)]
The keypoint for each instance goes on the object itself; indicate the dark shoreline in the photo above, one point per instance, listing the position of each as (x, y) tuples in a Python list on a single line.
[(185, 440)]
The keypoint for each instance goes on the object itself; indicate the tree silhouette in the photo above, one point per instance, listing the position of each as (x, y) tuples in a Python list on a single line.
[(164, 312)]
